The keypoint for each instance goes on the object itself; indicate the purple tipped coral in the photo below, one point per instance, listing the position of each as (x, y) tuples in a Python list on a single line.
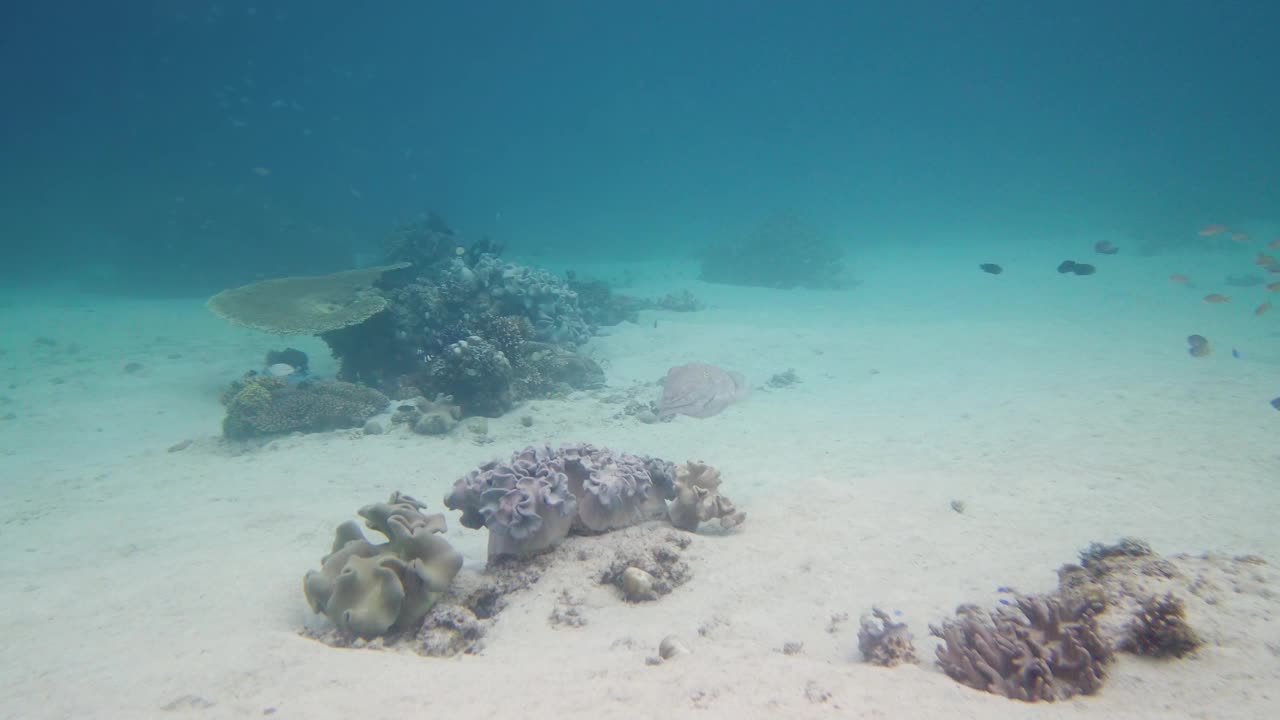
[(525, 502), (531, 501)]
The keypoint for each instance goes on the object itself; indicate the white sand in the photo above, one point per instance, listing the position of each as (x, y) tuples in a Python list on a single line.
[(1060, 410)]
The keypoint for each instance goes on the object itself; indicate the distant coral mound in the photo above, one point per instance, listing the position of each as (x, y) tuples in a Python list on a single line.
[(784, 252), (263, 405)]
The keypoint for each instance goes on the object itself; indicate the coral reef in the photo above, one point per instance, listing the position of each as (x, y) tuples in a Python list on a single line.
[(698, 499), (1044, 648), (465, 324), (1159, 629), (477, 373), (601, 306), (531, 501), (885, 642), (441, 317), (782, 252), (305, 305), (369, 590), (261, 405)]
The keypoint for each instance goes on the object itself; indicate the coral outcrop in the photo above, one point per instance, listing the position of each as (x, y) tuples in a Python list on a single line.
[(885, 642), (1159, 629), (531, 501), (698, 499), (442, 317), (262, 405), (1043, 648), (466, 324), (369, 589)]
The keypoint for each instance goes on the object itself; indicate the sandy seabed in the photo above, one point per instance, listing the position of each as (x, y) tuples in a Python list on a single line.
[(1061, 411)]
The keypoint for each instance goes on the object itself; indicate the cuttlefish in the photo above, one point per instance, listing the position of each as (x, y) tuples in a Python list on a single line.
[(700, 390)]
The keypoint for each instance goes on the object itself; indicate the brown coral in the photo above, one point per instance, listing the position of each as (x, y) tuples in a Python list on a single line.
[(1045, 649), (698, 498), (884, 642), (1159, 629), (260, 405)]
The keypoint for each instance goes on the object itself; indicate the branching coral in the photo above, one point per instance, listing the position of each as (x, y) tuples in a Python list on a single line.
[(1045, 649), (369, 590)]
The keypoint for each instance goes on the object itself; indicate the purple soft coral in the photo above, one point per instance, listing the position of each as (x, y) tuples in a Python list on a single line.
[(525, 503), (529, 502)]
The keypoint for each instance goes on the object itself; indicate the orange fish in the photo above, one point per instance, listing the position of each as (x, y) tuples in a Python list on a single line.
[(1264, 260), (1274, 287), (1274, 244), (1217, 299), (1180, 279), (1240, 236), (1211, 230), (1262, 308)]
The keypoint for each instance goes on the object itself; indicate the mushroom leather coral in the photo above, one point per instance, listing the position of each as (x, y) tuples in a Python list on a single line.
[(698, 498), (369, 590)]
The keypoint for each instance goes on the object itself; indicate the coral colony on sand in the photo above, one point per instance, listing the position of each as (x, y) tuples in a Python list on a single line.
[(1055, 646), (442, 319), (529, 503)]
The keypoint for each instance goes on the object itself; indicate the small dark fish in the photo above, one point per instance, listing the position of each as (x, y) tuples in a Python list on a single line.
[(1235, 353), (1084, 269), (1066, 266), (991, 268), (1276, 403), (1104, 247)]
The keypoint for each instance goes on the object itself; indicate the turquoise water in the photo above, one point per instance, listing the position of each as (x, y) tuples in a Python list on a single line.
[(824, 178)]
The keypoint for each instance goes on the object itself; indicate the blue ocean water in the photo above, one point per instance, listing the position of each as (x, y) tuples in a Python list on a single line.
[(585, 129), (965, 427)]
